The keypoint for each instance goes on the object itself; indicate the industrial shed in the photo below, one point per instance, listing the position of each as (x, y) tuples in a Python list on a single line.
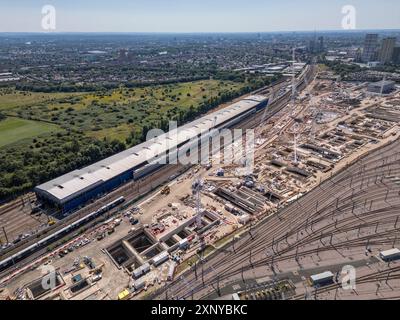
[(381, 87), (78, 187), (390, 255), (322, 278)]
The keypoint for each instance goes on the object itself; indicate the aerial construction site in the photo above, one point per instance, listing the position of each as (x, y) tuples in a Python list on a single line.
[(321, 197)]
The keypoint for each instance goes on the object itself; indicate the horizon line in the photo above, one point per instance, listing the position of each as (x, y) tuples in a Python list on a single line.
[(195, 32)]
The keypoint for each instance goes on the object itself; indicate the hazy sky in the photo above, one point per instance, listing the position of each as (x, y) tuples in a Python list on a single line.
[(196, 16)]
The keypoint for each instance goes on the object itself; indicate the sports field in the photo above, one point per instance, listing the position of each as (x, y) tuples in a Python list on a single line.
[(10, 99), (15, 129)]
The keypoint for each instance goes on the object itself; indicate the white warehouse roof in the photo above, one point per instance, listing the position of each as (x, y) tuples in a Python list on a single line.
[(67, 186)]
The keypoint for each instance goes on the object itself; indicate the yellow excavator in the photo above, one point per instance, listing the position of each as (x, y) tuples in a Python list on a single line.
[(51, 222), (166, 190)]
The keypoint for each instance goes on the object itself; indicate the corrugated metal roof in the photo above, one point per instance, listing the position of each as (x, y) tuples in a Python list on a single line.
[(389, 253), (163, 256), (67, 186), (380, 83)]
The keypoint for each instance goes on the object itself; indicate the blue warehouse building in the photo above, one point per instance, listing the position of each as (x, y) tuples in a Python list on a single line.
[(75, 189)]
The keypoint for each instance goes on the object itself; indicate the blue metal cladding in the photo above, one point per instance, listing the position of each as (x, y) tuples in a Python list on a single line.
[(117, 181), (74, 203), (103, 188), (262, 105), (238, 119)]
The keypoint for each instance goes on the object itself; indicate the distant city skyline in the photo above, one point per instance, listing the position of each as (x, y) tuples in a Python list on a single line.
[(187, 16)]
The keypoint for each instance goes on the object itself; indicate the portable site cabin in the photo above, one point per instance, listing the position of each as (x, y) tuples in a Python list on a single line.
[(322, 278), (390, 255)]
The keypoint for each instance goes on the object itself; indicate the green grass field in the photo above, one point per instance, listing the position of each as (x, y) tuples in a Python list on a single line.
[(14, 129), (10, 99), (119, 133), (113, 114), (110, 114)]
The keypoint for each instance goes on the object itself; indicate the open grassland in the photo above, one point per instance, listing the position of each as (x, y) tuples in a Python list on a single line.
[(133, 109), (14, 129), (118, 113), (119, 133), (10, 99)]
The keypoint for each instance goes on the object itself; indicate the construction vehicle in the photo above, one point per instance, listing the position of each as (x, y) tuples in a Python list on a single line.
[(97, 270), (124, 295), (51, 222), (100, 236), (134, 220), (166, 190), (97, 277), (89, 262)]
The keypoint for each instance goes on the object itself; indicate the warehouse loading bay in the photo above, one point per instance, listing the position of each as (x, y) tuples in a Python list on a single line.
[(151, 242)]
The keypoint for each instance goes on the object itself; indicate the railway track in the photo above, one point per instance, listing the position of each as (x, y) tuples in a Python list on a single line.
[(392, 273), (356, 198), (127, 190), (9, 207)]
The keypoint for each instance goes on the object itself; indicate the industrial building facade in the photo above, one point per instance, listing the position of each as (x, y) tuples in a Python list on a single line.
[(383, 87), (75, 189)]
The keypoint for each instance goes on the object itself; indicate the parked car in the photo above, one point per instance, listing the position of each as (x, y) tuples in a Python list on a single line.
[(100, 236), (97, 277), (134, 220)]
